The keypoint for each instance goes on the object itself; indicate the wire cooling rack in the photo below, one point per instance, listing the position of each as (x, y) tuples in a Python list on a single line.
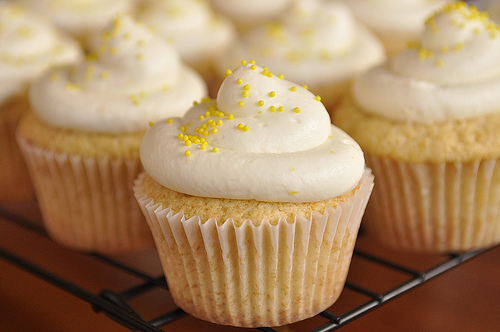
[(119, 305)]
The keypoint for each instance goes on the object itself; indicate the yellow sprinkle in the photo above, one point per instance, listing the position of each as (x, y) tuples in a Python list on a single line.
[(170, 120), (228, 72), (243, 62), (188, 142), (458, 47), (195, 103), (202, 117), (215, 149), (54, 76), (252, 62), (127, 36), (203, 146), (105, 75), (241, 103), (440, 63), (294, 192), (187, 153), (239, 81), (293, 88), (207, 113), (272, 108), (204, 126), (240, 126), (151, 123), (281, 76), (245, 93), (213, 124), (185, 138), (296, 109), (182, 128), (206, 133), (261, 103), (305, 87), (247, 87), (114, 50), (72, 86), (318, 98), (196, 141), (139, 56), (246, 128), (230, 117), (269, 74), (206, 99), (142, 42), (272, 94), (215, 130), (281, 108), (219, 122), (253, 67), (414, 44), (180, 136)]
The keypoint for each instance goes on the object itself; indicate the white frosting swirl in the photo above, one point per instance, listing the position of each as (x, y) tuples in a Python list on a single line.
[(317, 42), (28, 46), (273, 142), (133, 78), (79, 16), (394, 21), (453, 73), (191, 25), (251, 12)]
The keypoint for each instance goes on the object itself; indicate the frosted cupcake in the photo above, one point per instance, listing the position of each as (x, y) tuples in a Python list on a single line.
[(245, 15), (428, 122), (81, 141), (194, 29), (317, 43), (28, 46), (80, 18), (395, 22), (254, 200)]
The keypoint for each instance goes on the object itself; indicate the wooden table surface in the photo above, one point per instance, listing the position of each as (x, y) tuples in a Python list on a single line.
[(466, 298)]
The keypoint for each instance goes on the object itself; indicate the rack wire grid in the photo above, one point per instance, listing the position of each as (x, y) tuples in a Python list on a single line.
[(116, 305)]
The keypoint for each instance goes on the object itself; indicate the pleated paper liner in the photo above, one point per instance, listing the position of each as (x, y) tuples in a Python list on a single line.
[(87, 203), (435, 208), (15, 182), (250, 276)]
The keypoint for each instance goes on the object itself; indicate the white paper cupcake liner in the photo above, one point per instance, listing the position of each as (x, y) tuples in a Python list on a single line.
[(446, 207), (252, 276), (88, 203)]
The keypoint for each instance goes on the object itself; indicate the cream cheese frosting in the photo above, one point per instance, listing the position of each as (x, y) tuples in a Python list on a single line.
[(264, 138), (134, 77), (28, 46), (251, 12), (79, 16), (316, 42), (452, 73), (395, 21), (190, 25)]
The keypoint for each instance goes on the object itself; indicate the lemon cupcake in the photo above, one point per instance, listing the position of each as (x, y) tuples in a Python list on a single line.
[(28, 46), (196, 31), (395, 22), (317, 43), (254, 200), (428, 123), (81, 141), (80, 18)]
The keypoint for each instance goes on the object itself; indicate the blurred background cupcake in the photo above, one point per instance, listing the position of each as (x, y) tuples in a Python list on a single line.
[(81, 140), (317, 43), (80, 18), (194, 29), (254, 200), (395, 22), (29, 45), (428, 121)]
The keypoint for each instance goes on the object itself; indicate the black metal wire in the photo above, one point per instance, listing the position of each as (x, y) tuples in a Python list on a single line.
[(115, 305)]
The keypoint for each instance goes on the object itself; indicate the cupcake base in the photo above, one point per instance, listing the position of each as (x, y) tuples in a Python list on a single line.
[(435, 208), (256, 274), (87, 203)]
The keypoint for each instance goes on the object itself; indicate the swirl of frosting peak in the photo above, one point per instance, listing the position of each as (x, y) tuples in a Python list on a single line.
[(132, 78), (451, 73), (263, 138)]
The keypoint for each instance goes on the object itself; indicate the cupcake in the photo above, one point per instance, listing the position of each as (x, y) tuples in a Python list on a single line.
[(245, 14), (254, 201), (317, 42), (28, 46), (80, 18), (395, 22), (81, 140), (428, 123), (196, 31)]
